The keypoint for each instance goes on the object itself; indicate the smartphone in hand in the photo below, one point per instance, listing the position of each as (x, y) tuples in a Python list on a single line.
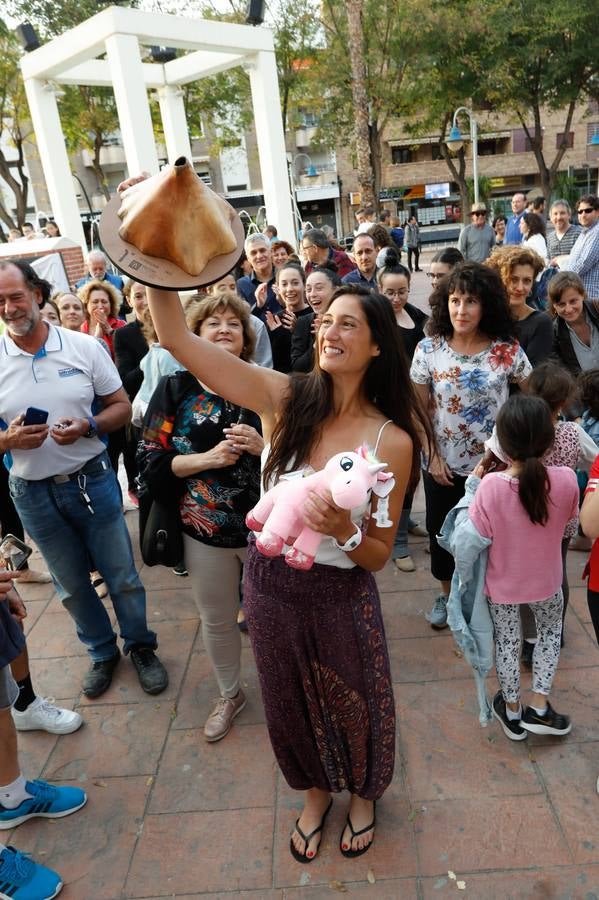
[(13, 553), (35, 416)]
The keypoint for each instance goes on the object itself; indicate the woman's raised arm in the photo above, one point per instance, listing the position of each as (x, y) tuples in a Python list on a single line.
[(253, 387)]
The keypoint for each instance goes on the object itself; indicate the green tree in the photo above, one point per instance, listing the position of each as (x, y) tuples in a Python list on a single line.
[(449, 72), (388, 28), (15, 130), (88, 114), (540, 60)]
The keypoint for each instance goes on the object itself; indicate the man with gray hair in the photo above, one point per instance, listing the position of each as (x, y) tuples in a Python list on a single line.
[(96, 269), (258, 252), (565, 234)]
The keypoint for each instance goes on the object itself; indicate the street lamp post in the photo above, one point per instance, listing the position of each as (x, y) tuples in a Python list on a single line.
[(456, 140)]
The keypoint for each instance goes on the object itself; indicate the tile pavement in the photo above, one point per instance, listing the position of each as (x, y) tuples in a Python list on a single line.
[(172, 816)]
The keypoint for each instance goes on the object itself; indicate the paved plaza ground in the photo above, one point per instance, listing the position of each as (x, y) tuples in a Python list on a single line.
[(172, 816)]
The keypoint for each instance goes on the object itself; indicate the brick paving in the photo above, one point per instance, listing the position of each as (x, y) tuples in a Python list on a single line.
[(172, 816)]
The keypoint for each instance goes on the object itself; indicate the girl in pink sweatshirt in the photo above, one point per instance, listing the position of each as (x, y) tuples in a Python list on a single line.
[(524, 511)]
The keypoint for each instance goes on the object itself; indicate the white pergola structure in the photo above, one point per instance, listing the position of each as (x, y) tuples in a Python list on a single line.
[(115, 34)]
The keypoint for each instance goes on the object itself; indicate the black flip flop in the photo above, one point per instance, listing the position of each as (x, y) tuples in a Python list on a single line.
[(351, 854), (301, 857)]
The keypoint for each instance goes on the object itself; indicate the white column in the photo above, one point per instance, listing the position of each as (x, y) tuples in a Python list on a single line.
[(54, 158), (174, 122), (264, 83), (132, 103)]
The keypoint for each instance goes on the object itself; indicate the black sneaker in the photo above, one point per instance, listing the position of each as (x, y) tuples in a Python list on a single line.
[(98, 677), (180, 570), (551, 722), (152, 675), (527, 652), (511, 727)]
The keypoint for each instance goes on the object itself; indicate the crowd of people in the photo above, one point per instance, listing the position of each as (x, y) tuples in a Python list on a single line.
[(489, 397)]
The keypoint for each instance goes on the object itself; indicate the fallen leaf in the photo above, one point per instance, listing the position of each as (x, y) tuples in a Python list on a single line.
[(458, 653), (100, 783), (174, 712), (338, 886), (370, 877), (412, 815), (150, 780), (461, 885), (451, 875)]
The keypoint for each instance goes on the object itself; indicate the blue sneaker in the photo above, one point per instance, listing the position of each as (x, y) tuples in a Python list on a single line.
[(46, 800), (23, 879)]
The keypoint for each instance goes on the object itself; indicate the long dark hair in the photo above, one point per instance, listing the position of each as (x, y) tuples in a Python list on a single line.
[(525, 431), (387, 386), (481, 282)]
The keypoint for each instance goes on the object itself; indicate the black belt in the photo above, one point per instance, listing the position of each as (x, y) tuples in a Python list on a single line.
[(94, 467)]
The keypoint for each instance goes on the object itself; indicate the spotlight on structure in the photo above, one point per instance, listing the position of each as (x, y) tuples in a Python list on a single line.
[(163, 54), (255, 12), (27, 36)]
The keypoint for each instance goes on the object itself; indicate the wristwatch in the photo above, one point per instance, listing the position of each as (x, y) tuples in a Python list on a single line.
[(354, 541), (93, 428)]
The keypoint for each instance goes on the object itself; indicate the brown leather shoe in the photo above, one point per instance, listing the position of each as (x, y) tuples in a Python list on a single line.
[(219, 722)]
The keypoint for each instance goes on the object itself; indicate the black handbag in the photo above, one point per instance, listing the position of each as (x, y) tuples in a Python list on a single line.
[(160, 537)]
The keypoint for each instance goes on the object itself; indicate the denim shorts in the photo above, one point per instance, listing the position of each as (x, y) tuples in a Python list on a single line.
[(8, 688)]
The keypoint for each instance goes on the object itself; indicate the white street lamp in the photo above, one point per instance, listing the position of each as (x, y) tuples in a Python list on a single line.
[(456, 140)]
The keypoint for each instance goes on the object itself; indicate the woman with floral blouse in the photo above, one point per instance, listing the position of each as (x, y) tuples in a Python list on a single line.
[(462, 372)]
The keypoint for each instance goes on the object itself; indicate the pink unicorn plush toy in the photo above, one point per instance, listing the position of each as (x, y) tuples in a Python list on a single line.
[(278, 515)]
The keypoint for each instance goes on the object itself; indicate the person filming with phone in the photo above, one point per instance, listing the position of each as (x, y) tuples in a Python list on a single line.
[(61, 480)]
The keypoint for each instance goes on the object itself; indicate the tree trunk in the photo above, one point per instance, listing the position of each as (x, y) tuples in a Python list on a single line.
[(360, 102), (376, 157), (97, 165), (19, 188)]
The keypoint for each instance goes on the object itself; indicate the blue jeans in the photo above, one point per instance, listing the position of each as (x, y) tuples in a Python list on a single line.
[(69, 536)]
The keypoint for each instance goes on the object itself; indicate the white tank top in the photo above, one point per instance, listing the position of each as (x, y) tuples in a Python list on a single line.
[(328, 554)]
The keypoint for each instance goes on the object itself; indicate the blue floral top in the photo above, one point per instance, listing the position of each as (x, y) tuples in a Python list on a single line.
[(467, 393)]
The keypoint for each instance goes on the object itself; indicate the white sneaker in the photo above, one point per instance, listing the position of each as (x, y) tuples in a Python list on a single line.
[(42, 715)]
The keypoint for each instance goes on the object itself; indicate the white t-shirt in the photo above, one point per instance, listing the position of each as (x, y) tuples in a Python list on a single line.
[(64, 378)]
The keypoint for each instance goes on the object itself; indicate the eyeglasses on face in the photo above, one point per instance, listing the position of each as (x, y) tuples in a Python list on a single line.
[(402, 292), (435, 276), (307, 246), (586, 209), (477, 214)]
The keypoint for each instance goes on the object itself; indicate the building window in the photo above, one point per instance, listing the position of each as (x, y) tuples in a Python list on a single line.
[(521, 141), (204, 176), (569, 139), (237, 187), (401, 155), (436, 152), (592, 130)]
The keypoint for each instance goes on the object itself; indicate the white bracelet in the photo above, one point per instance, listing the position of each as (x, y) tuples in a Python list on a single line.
[(354, 541)]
